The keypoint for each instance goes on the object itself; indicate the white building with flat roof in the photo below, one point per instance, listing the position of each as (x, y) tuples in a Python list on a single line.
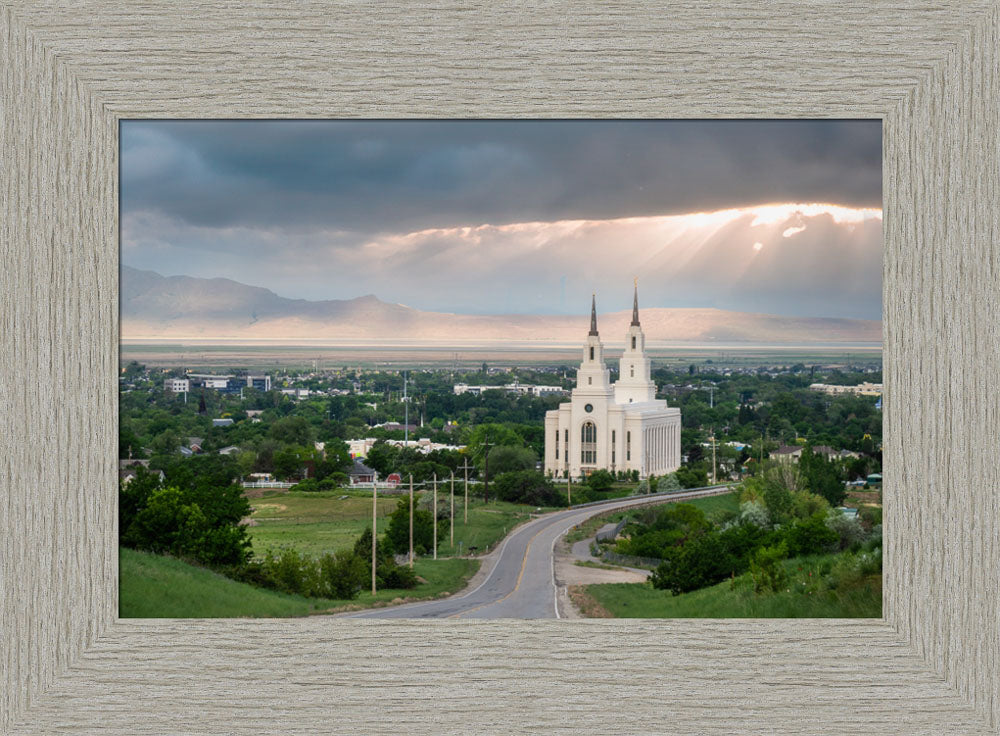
[(862, 389), (619, 426), (177, 385)]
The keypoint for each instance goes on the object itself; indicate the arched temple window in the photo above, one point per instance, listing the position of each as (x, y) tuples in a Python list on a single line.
[(588, 443)]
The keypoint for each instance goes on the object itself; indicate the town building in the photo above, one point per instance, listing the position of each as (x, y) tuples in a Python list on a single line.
[(862, 389), (360, 448), (619, 426), (787, 454), (521, 389), (361, 473), (228, 384)]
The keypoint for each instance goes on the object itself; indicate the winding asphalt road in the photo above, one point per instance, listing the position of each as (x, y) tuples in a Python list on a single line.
[(522, 583)]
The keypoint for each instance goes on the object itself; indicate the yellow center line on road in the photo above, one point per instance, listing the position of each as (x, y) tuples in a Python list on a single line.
[(524, 563)]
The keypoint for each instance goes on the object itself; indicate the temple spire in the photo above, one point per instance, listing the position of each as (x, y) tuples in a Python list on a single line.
[(635, 304), (593, 315)]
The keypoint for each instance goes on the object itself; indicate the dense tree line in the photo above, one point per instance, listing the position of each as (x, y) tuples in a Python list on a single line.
[(779, 517)]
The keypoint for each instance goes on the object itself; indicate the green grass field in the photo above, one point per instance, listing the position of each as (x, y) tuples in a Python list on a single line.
[(314, 523), (154, 586), (317, 523), (488, 524), (726, 600)]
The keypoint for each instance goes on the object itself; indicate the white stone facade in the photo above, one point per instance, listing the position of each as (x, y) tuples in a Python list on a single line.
[(620, 426)]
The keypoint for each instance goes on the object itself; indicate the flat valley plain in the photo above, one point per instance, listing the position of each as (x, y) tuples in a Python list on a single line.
[(397, 355)]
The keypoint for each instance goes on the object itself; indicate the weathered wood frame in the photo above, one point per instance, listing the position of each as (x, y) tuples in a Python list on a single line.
[(71, 70)]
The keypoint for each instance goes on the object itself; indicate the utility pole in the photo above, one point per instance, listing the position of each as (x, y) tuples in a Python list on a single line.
[(465, 467), (569, 489), (374, 531), (452, 526), (761, 467), (486, 469), (411, 521), (713, 456), (406, 414), (434, 512)]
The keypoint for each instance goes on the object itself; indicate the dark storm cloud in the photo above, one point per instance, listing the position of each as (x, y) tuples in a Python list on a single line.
[(398, 176)]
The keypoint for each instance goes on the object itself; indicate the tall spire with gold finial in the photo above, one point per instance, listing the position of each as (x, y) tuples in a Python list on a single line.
[(635, 303), (593, 315)]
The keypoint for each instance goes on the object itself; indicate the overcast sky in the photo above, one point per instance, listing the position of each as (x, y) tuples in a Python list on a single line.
[(511, 216)]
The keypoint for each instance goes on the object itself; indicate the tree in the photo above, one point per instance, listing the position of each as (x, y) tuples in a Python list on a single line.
[(292, 430), (746, 414), (382, 458), (497, 435), (511, 458), (128, 443), (822, 476), (171, 522), (134, 495), (397, 536), (289, 460), (197, 516), (337, 459), (528, 486)]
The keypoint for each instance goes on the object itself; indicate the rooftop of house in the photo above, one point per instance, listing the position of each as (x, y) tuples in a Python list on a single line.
[(787, 450), (360, 468)]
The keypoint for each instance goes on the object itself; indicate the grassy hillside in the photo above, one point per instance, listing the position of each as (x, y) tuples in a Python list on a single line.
[(153, 586), (802, 598), (708, 504)]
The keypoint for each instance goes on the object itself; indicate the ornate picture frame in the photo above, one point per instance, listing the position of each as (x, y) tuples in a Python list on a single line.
[(71, 71)]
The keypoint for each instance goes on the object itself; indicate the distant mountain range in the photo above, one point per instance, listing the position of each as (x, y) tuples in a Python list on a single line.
[(155, 306)]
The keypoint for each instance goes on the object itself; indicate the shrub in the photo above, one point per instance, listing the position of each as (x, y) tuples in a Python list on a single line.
[(341, 575), (344, 574), (805, 504), (388, 574), (850, 569), (702, 561), (292, 572), (766, 570), (691, 476), (810, 536), (848, 529), (601, 480), (754, 513), (870, 516), (668, 482)]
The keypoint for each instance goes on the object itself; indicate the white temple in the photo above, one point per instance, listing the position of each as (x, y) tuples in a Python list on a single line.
[(619, 426)]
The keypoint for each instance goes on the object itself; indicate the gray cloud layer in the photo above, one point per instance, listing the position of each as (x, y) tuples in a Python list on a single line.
[(296, 205), (408, 175)]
